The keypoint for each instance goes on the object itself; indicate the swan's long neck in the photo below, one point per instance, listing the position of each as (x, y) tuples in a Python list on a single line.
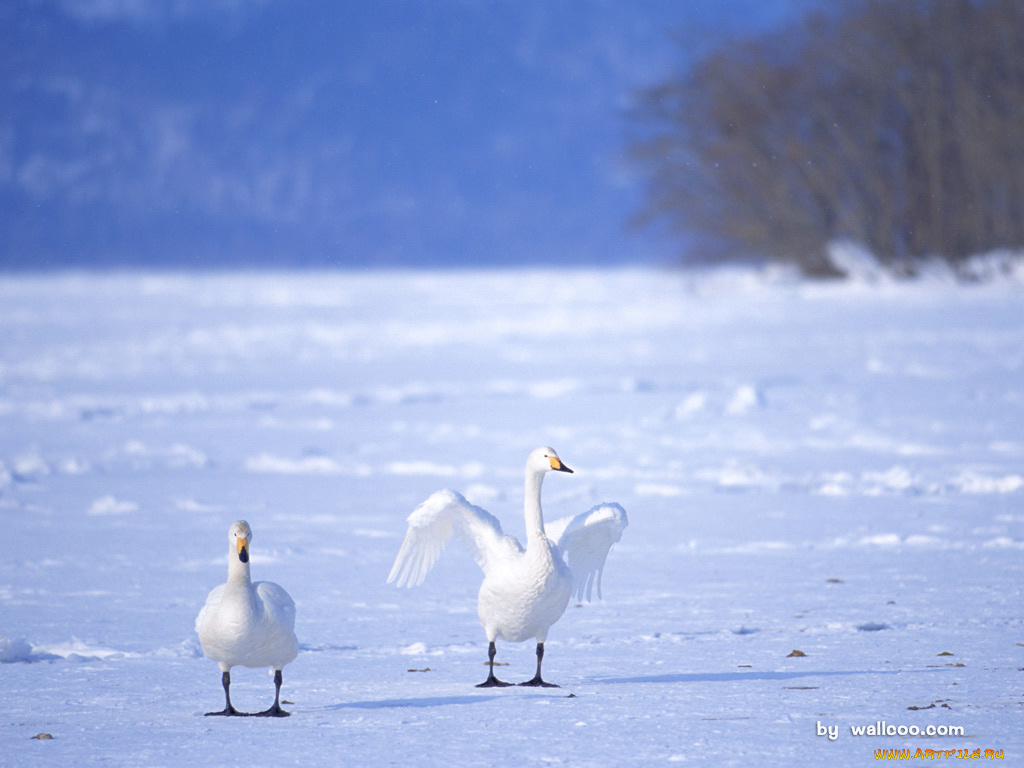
[(238, 572), (534, 516)]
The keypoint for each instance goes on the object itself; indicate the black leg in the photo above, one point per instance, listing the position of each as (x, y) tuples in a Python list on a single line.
[(492, 681), (275, 711), (228, 709), (537, 682)]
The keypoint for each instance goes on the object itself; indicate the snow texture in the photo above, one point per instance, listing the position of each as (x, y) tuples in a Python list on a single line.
[(835, 469)]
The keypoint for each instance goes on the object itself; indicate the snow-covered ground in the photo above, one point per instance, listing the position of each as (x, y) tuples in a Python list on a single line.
[(831, 469)]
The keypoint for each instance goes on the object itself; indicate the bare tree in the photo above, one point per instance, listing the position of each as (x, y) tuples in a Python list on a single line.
[(898, 124)]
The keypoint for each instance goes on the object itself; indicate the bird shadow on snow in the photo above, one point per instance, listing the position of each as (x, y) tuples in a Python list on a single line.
[(736, 677), (428, 701)]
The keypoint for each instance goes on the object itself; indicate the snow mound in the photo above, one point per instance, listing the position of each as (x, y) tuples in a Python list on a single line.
[(861, 266), (856, 262), (77, 650), (14, 649)]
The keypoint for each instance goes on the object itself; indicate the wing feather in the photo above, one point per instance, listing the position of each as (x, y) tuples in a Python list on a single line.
[(586, 540), (277, 602), (432, 525), (210, 607)]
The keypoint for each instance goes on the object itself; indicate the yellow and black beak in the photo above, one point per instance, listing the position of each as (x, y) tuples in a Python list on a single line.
[(557, 464), (242, 543)]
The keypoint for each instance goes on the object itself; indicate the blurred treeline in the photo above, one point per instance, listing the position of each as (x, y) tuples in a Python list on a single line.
[(898, 124)]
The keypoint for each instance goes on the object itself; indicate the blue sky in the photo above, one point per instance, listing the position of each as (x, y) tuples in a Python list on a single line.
[(375, 132)]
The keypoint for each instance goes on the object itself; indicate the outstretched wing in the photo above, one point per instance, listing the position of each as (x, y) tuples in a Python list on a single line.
[(586, 540), (431, 526)]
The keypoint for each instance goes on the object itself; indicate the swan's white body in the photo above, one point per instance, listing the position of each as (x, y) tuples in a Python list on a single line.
[(525, 589), (251, 625), (245, 623), (523, 594)]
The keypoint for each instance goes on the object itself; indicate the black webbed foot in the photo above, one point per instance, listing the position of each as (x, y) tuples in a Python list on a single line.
[(493, 682), (538, 683), (274, 711), (228, 711)]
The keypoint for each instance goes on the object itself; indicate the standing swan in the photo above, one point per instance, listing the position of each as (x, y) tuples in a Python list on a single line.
[(248, 624), (524, 591)]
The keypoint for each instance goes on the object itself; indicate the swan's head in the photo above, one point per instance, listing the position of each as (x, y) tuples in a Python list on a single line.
[(239, 536), (544, 459)]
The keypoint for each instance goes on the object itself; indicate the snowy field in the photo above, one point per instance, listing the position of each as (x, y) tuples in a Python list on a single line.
[(831, 469)]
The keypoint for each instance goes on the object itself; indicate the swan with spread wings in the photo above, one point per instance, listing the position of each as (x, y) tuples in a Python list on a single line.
[(525, 589)]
